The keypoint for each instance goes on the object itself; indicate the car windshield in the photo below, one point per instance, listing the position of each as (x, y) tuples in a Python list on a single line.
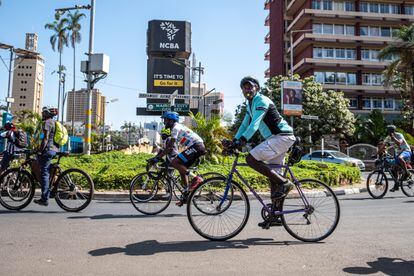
[(339, 154)]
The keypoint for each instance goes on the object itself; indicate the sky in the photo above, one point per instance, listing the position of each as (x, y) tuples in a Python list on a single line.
[(227, 38)]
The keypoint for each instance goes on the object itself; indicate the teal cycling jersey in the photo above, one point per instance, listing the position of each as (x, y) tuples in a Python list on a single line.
[(262, 115)]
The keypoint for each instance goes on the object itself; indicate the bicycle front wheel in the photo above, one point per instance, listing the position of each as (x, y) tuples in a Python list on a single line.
[(407, 185), (149, 195), (17, 189), (377, 184), (214, 215), (313, 216), (74, 190)]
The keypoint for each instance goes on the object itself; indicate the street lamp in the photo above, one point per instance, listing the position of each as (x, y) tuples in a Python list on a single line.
[(291, 47)]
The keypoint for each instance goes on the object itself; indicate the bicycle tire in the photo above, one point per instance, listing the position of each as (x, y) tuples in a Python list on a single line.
[(149, 201), (199, 220), (407, 186), (295, 223), (377, 184), (69, 194), (5, 191)]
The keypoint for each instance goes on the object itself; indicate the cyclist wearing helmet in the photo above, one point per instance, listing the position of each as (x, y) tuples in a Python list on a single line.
[(262, 115), (194, 148), (166, 138), (402, 151), (46, 151), (9, 133)]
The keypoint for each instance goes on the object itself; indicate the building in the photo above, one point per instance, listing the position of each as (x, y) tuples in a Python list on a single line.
[(154, 125), (338, 43), (28, 78), (214, 104), (80, 97)]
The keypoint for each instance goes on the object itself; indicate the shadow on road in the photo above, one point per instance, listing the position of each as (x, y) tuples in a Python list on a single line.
[(111, 216), (388, 266), (30, 211), (408, 201), (151, 247), (370, 198)]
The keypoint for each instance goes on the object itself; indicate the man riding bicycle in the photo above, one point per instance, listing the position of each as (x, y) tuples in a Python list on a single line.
[(194, 148), (14, 145), (262, 115), (402, 152)]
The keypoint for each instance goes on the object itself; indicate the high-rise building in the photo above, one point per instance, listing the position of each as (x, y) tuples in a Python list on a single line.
[(28, 77), (81, 99), (338, 41), (214, 104)]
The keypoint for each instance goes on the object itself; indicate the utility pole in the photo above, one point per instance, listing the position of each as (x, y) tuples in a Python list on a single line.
[(9, 88)]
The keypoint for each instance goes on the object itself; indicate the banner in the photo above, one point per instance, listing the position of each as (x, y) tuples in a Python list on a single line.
[(291, 98)]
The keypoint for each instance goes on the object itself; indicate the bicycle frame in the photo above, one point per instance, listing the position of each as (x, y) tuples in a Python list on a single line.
[(287, 170)]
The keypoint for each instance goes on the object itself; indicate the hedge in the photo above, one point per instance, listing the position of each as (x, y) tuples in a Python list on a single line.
[(114, 170)]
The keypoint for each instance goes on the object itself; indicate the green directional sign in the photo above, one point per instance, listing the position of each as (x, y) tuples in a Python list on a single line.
[(179, 107)]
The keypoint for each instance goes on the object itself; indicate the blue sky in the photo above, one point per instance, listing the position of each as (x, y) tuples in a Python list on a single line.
[(227, 37)]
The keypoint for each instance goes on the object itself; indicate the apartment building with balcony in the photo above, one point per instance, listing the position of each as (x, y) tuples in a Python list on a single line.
[(338, 42)]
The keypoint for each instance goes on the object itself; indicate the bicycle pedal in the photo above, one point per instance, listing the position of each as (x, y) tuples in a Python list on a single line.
[(264, 225)]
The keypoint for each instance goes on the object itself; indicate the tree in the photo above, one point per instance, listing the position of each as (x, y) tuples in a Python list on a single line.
[(74, 28), (370, 130), (400, 73), (212, 132), (59, 39), (31, 123), (330, 106), (129, 128)]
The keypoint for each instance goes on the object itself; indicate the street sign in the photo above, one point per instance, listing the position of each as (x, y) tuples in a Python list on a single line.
[(165, 107), (9, 100), (309, 117), (142, 111), (168, 96)]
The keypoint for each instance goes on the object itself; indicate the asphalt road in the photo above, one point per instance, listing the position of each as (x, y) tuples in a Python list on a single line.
[(111, 238)]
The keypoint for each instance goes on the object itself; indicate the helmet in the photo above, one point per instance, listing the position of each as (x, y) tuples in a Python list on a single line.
[(171, 115), (250, 80), (9, 126), (166, 131), (51, 110), (391, 128)]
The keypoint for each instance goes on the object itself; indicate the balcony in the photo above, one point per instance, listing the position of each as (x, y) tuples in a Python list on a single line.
[(294, 6), (348, 17), (267, 4), (267, 55), (364, 89), (341, 64), (267, 73), (267, 39), (267, 21), (333, 40)]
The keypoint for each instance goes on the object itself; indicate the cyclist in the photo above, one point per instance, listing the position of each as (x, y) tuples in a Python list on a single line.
[(262, 115), (10, 133), (166, 139), (47, 150), (194, 148), (402, 152)]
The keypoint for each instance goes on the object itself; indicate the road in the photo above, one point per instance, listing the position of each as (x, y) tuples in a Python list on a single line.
[(111, 238)]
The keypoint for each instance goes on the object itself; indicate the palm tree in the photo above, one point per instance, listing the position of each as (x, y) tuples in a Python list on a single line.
[(75, 37), (129, 128), (59, 38), (402, 67)]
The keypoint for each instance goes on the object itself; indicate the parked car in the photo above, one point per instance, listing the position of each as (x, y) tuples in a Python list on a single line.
[(333, 156)]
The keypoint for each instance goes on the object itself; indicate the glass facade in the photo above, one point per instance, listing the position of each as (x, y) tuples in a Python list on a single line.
[(335, 78), (333, 29), (334, 53)]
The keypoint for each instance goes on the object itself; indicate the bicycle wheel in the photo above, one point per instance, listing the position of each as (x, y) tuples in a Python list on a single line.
[(218, 222), (17, 189), (407, 185), (74, 190), (149, 195), (377, 184), (319, 216)]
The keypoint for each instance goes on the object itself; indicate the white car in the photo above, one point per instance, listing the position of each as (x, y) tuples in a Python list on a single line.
[(333, 156)]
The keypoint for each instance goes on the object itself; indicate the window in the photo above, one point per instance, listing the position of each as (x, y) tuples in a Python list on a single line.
[(364, 54), (319, 77), (363, 31), (374, 55), (327, 5), (330, 77), (349, 6), (328, 53), (351, 78), (317, 28), (317, 154), (341, 78), (366, 103), (377, 103), (385, 31), (339, 6), (353, 103), (339, 29), (350, 30), (350, 54), (384, 8), (316, 4), (327, 29), (340, 53), (366, 79), (376, 79), (395, 9), (317, 53), (388, 104), (374, 31), (373, 7), (363, 7), (409, 9)]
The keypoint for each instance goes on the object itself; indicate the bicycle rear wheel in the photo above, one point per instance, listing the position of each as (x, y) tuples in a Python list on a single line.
[(17, 189), (150, 195), (377, 184), (320, 216), (214, 216), (74, 190), (407, 185)]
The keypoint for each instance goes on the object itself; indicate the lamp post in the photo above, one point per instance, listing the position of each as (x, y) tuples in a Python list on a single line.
[(291, 47)]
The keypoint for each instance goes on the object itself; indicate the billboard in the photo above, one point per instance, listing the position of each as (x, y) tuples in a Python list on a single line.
[(166, 38), (291, 98)]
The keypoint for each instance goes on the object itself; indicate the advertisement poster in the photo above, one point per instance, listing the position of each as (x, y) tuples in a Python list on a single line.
[(291, 98)]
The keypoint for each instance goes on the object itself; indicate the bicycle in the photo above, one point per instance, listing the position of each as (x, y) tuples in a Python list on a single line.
[(226, 207), (151, 191), (72, 189), (377, 181)]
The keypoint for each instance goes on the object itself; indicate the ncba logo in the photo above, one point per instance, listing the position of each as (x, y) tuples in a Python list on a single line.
[(170, 28)]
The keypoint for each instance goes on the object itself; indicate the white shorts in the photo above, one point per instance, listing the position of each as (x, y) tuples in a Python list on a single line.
[(273, 150)]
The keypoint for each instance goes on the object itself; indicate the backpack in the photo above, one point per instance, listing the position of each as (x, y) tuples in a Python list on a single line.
[(21, 138), (61, 134)]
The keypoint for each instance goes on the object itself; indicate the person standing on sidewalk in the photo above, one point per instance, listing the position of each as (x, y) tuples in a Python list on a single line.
[(47, 150), (16, 141)]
